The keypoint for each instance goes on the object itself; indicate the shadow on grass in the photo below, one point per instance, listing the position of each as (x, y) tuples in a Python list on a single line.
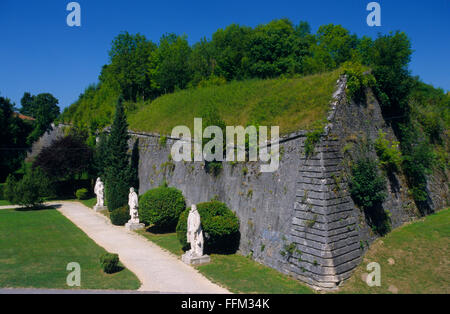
[(38, 208), (158, 230)]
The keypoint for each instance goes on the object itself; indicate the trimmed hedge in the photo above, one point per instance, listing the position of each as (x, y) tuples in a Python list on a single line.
[(109, 262), (120, 216), (161, 207), (220, 226)]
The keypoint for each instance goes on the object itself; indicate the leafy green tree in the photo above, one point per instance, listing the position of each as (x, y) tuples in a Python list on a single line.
[(337, 41), (275, 49), (202, 61), (230, 46), (27, 103), (389, 59), (129, 61), (45, 110), (13, 134), (170, 63), (117, 169)]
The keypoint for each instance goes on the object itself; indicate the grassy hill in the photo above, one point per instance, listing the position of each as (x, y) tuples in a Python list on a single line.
[(293, 104), (413, 259)]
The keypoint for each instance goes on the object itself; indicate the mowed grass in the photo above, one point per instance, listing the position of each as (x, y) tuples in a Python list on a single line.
[(421, 254), (292, 104), (89, 202), (235, 272), (36, 246)]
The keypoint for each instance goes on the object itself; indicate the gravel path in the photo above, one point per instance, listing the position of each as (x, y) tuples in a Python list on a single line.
[(158, 270)]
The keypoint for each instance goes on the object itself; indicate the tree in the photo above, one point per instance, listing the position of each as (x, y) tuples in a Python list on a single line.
[(30, 191), (337, 41), (276, 48), (130, 57), (201, 61), (117, 169), (27, 103), (230, 46), (44, 108), (389, 58), (170, 67), (13, 134), (65, 158)]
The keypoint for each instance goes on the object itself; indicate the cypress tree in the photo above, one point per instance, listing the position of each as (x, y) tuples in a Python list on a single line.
[(117, 169)]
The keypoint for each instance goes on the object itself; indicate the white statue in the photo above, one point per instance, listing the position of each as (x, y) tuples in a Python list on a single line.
[(195, 233), (99, 190), (133, 203)]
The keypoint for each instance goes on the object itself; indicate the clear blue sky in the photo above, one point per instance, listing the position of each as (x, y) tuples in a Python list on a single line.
[(40, 53)]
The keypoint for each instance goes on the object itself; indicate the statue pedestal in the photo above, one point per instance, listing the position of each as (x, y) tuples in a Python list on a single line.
[(98, 209), (195, 260), (132, 225)]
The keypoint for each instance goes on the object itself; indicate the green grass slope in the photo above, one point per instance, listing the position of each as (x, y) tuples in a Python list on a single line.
[(419, 254), (292, 104), (36, 246)]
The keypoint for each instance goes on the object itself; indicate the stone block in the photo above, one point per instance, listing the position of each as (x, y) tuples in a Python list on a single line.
[(196, 260)]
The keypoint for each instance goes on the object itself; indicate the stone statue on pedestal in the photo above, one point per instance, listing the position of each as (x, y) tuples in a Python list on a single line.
[(133, 204), (99, 190), (195, 238)]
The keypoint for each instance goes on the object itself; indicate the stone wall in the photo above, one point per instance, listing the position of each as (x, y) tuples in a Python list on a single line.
[(299, 219), (46, 139)]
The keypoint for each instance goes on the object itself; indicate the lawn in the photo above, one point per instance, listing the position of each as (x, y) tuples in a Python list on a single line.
[(89, 203), (420, 252), (237, 273), (36, 246)]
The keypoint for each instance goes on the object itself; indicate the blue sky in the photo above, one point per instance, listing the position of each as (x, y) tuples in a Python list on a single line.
[(40, 53)]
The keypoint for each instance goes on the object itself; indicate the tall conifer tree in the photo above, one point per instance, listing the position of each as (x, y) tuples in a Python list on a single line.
[(117, 170)]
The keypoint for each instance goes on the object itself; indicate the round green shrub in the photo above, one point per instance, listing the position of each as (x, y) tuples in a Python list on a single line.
[(161, 207), (109, 262), (82, 194), (220, 226), (120, 216)]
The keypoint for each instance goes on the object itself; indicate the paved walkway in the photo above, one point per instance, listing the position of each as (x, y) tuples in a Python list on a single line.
[(158, 270)]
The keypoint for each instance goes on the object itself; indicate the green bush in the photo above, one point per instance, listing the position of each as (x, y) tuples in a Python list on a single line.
[(312, 138), (388, 153), (109, 262), (358, 78), (368, 190), (220, 226), (120, 216), (31, 191), (367, 187), (82, 194), (161, 207)]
